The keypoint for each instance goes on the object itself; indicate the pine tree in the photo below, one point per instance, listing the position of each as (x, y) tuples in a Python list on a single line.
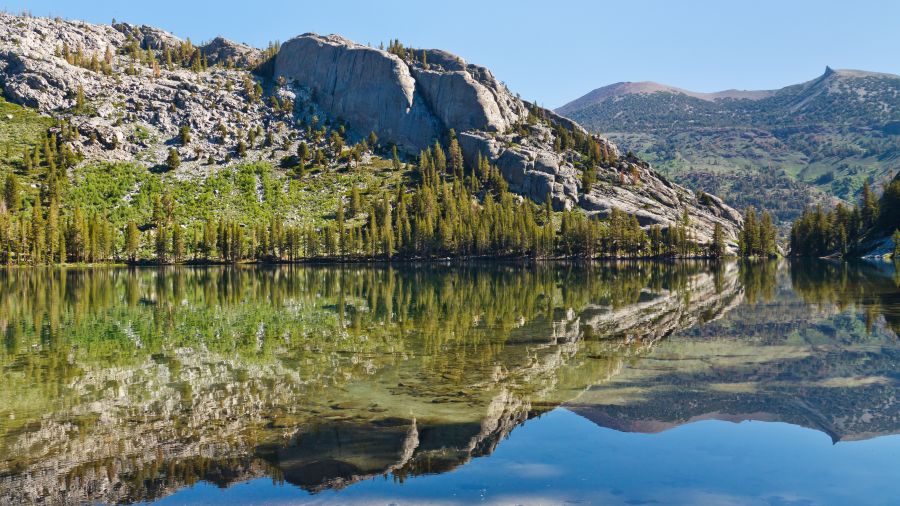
[(162, 244), (79, 99), (749, 241), (26, 160), (209, 239), (767, 235), (184, 135), (339, 218), (395, 159), (869, 206), (52, 232), (63, 254), (717, 248), (132, 240), (38, 237), (372, 237), (77, 235), (173, 161), (456, 156), (355, 202), (177, 244), (11, 193), (588, 178), (439, 158), (387, 230)]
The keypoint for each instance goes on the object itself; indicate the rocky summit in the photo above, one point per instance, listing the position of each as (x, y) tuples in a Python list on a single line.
[(410, 98)]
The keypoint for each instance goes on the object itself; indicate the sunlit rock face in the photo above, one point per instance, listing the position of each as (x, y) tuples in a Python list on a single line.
[(35, 73), (408, 103), (320, 377)]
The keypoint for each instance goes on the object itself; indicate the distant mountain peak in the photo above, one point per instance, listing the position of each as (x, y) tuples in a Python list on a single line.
[(649, 87)]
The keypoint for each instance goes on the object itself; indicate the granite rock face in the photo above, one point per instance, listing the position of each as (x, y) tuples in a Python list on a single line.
[(408, 103), (136, 117), (223, 51), (370, 90)]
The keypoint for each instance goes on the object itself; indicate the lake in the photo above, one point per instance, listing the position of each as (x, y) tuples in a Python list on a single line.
[(610, 383)]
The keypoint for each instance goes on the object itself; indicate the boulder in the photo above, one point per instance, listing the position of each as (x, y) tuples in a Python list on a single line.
[(223, 51)]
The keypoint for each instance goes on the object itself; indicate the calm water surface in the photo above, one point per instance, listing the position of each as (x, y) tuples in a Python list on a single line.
[(632, 383)]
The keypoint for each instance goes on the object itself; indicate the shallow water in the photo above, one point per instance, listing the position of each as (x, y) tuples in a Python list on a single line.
[(630, 383)]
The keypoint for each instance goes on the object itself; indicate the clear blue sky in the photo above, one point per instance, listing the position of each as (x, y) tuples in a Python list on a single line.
[(555, 51)]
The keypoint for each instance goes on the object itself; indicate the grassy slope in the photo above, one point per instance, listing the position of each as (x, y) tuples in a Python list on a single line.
[(250, 193), (20, 127)]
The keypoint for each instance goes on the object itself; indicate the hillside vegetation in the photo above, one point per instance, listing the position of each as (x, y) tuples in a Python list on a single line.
[(780, 150)]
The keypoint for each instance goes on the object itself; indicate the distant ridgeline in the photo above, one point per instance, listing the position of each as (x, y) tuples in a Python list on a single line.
[(824, 137), (123, 142)]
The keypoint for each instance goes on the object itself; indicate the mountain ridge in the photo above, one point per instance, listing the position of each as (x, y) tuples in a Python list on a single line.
[(647, 87), (819, 140)]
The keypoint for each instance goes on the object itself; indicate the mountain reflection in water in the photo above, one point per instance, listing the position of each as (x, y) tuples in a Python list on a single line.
[(124, 385)]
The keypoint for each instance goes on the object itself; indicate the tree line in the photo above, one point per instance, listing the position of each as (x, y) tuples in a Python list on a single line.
[(449, 210), (841, 230), (758, 238)]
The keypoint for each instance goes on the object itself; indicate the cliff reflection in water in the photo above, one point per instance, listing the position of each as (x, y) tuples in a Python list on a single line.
[(125, 385), (815, 347)]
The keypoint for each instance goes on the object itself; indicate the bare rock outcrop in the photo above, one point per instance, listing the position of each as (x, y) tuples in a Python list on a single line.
[(134, 110), (229, 53), (408, 103), (369, 89)]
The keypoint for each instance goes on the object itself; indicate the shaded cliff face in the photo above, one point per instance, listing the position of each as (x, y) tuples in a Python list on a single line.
[(414, 101), (410, 105), (228, 374)]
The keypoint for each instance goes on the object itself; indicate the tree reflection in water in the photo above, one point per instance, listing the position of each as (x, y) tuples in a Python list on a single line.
[(127, 384)]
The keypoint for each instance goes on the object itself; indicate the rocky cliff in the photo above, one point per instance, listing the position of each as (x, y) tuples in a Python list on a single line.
[(412, 97), (135, 101), (141, 86)]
